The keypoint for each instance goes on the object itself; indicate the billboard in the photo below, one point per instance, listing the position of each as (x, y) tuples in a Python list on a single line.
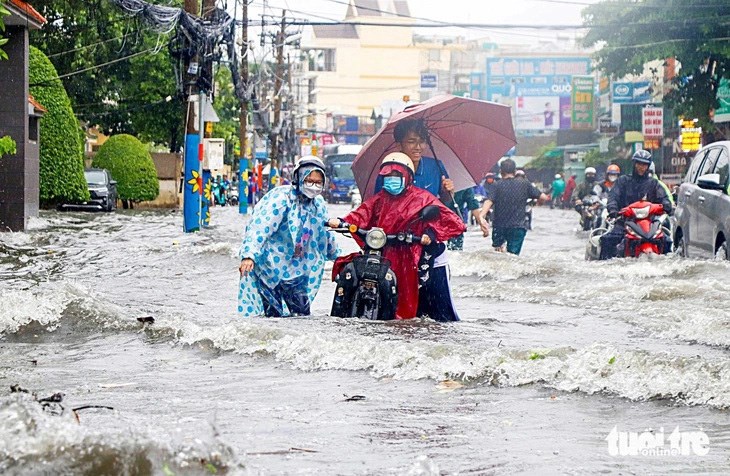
[(722, 113), (542, 107), (505, 75), (626, 92), (583, 102)]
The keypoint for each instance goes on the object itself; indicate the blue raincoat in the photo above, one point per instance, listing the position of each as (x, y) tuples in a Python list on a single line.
[(287, 239)]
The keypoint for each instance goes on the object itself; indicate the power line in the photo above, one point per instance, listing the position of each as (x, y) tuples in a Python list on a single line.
[(88, 46), (45, 81)]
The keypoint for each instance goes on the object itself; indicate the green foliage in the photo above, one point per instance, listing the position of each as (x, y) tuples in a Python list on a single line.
[(547, 158), (3, 12), (62, 151), (131, 166), (128, 96), (7, 146), (692, 31), (227, 107)]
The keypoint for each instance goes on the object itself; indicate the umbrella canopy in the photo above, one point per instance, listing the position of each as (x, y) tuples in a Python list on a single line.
[(468, 135)]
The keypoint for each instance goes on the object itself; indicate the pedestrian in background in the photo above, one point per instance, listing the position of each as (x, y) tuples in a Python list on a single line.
[(509, 199), (466, 198)]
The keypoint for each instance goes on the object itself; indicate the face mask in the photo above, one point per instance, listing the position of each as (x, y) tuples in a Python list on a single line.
[(590, 178), (311, 191), (393, 185), (612, 178)]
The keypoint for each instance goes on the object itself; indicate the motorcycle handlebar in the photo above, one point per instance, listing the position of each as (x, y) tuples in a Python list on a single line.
[(402, 237)]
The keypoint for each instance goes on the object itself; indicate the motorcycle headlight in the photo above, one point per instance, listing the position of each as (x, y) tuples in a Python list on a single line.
[(642, 213), (376, 238)]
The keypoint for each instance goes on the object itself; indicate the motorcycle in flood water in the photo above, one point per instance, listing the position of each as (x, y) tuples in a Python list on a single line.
[(233, 197), (591, 212), (355, 197), (645, 231), (366, 286), (218, 194)]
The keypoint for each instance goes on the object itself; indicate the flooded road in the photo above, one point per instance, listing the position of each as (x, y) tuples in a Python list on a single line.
[(551, 355)]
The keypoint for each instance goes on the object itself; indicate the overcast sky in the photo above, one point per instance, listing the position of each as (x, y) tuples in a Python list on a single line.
[(540, 12)]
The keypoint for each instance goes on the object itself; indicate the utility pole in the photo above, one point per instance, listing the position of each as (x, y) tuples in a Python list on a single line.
[(276, 130), (243, 165), (192, 178)]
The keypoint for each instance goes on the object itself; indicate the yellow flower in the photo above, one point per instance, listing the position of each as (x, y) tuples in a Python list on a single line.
[(207, 190), (196, 182)]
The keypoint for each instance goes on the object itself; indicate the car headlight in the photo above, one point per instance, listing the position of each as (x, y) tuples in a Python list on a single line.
[(376, 238), (642, 213)]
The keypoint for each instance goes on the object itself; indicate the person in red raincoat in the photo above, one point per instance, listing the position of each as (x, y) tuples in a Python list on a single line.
[(396, 208), (569, 187)]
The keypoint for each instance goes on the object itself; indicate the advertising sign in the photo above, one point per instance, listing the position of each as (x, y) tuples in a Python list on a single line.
[(722, 113), (542, 107), (691, 136), (631, 92), (429, 81), (583, 104), (652, 122), (505, 75)]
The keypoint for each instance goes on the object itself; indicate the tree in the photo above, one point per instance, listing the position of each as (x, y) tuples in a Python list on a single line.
[(548, 157), (120, 75), (228, 108), (3, 12), (130, 164), (62, 154), (633, 33)]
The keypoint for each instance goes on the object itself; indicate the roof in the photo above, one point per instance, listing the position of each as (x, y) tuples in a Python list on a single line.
[(335, 31), (38, 108), (377, 8), (28, 10)]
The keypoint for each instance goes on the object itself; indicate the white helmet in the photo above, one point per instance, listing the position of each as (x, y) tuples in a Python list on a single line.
[(557, 176), (307, 164), (399, 158), (590, 170)]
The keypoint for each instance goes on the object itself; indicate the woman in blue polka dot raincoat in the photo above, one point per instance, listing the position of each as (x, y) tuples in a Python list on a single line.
[(285, 246)]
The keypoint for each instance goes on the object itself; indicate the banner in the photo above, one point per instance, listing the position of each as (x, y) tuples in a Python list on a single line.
[(542, 107), (583, 104), (652, 122), (722, 113), (626, 92)]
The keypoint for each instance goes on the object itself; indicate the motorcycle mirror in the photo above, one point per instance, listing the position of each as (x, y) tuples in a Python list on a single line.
[(431, 212)]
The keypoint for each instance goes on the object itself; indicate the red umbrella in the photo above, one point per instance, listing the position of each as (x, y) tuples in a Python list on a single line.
[(468, 135)]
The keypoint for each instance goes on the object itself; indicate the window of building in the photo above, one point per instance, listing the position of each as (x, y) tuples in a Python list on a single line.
[(33, 128), (321, 60)]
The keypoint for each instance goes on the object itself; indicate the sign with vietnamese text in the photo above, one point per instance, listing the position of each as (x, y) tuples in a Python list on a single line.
[(429, 81), (652, 122), (582, 96), (691, 136)]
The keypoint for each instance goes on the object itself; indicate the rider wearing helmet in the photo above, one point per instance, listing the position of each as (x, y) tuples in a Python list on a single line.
[(627, 190), (613, 172), (285, 245), (396, 208), (584, 189)]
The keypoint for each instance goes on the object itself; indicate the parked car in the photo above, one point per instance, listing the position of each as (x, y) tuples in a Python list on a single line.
[(103, 191), (703, 205)]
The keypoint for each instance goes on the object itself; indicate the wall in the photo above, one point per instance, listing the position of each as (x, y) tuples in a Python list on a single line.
[(19, 187)]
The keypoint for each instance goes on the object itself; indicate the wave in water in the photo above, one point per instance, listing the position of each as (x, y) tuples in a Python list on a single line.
[(598, 368), (33, 441)]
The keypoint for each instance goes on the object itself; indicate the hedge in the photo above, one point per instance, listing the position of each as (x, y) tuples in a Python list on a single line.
[(61, 148), (131, 166)]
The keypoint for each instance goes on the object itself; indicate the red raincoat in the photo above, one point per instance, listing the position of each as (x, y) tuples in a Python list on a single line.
[(396, 213)]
